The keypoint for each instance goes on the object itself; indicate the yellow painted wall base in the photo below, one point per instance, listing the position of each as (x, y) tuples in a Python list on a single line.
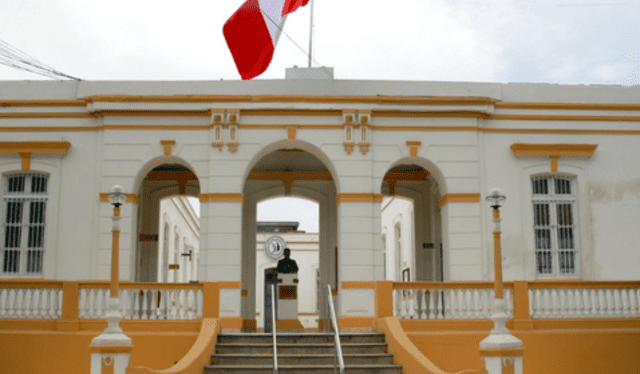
[(249, 325), (289, 324), (575, 351), (55, 352), (356, 322)]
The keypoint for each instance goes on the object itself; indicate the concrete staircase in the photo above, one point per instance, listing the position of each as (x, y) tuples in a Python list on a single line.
[(301, 353)]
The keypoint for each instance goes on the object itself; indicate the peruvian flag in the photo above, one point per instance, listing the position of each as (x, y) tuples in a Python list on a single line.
[(253, 30)]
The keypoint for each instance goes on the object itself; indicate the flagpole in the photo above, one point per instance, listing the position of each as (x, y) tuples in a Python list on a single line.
[(310, 33)]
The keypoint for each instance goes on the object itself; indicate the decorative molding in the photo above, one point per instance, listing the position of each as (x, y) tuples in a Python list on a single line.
[(167, 146), (358, 198), (220, 145), (344, 99), (521, 149), (348, 147), (26, 149), (291, 133), (221, 197), (413, 147), (233, 146), (553, 151), (364, 147), (26, 160), (459, 198), (394, 176)]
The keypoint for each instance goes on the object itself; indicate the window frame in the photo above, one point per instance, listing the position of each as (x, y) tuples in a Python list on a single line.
[(553, 199), (27, 195)]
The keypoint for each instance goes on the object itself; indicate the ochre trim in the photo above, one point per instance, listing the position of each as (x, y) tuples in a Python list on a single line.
[(566, 106), (459, 198), (338, 127), (229, 284), (376, 99), (290, 176), (231, 322), (413, 147), (26, 160), (35, 147), (507, 352), (167, 146), (24, 103), (521, 149), (289, 324), (358, 284), (110, 349), (359, 198), (249, 325), (244, 292), (221, 197), (356, 322), (131, 198), (291, 133)]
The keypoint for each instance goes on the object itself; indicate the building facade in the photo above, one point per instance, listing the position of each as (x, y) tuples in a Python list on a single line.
[(565, 157)]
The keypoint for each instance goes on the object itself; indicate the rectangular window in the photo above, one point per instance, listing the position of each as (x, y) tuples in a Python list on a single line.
[(24, 203), (554, 226)]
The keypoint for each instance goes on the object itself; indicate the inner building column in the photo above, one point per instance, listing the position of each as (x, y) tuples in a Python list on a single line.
[(221, 240), (360, 256)]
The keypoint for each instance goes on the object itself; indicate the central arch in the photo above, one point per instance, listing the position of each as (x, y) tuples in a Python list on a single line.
[(297, 169)]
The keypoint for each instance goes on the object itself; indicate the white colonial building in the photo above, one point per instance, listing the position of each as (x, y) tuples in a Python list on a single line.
[(566, 158)]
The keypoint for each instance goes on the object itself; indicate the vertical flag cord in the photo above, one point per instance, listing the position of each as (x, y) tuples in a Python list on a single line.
[(310, 33)]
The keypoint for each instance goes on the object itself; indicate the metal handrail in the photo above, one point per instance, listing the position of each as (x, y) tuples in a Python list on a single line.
[(273, 328), (335, 328)]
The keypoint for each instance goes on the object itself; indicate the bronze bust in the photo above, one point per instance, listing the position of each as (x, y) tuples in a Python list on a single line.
[(287, 265)]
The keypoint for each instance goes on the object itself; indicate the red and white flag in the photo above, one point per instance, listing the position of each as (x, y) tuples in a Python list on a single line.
[(253, 30)]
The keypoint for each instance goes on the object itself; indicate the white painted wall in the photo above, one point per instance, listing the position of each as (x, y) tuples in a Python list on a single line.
[(180, 218), (106, 151)]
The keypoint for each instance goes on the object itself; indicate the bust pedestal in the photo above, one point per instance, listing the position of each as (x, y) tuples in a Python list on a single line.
[(288, 302)]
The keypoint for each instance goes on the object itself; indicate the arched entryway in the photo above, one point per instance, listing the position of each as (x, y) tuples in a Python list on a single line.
[(163, 180), (413, 219), (288, 170)]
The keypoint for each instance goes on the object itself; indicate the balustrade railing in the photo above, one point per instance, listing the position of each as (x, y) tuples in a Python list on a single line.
[(451, 300), (31, 300), (143, 301), (584, 299)]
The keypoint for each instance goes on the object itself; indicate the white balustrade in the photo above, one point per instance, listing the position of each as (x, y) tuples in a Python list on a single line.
[(30, 303), (144, 303), (445, 303), (584, 302)]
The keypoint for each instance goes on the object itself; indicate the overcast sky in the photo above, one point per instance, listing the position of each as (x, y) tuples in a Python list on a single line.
[(551, 41), (555, 41)]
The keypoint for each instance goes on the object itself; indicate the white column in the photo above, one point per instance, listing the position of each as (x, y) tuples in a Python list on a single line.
[(462, 241), (359, 229), (221, 240)]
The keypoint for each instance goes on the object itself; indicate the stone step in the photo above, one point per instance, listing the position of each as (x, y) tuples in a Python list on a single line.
[(299, 348), (306, 359), (300, 369), (292, 338)]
